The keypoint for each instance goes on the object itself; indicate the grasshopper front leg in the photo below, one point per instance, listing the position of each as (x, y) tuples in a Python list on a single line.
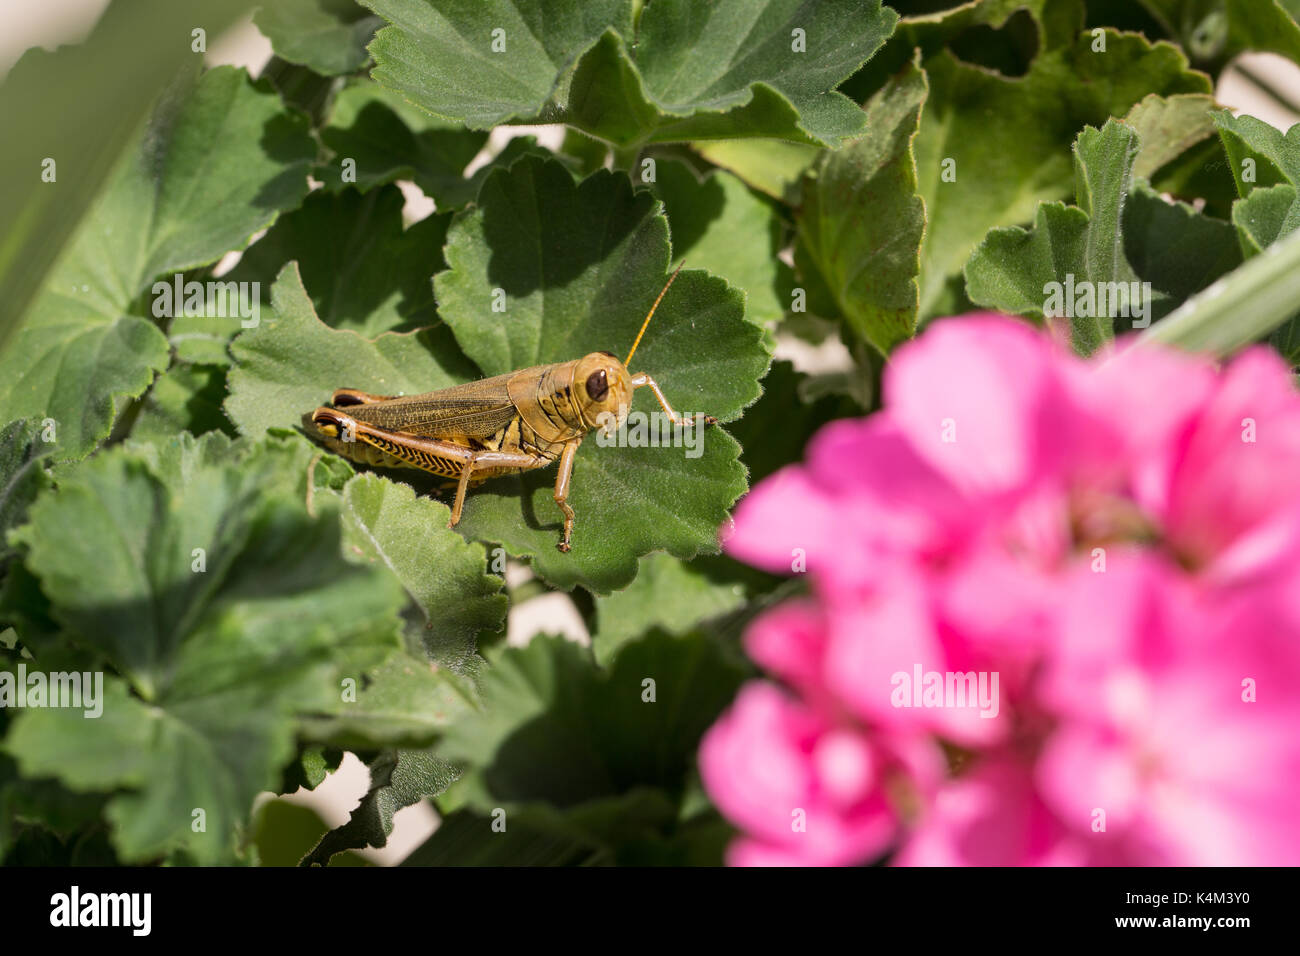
[(641, 379), (562, 490)]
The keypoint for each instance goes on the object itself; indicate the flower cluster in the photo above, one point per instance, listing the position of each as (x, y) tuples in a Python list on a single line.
[(1054, 616)]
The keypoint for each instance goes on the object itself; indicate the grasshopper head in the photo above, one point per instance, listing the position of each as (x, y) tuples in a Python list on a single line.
[(603, 389)]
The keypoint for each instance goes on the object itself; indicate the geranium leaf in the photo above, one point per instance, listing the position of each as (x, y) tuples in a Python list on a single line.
[(197, 571), (861, 223), (638, 725), (669, 73), (446, 576), (1214, 33), (330, 36), (577, 266), (720, 226), (363, 270), (387, 138), (186, 398), (217, 163), (398, 779), (292, 362)]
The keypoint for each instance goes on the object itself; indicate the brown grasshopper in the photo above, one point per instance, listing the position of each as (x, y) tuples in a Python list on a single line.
[(497, 426)]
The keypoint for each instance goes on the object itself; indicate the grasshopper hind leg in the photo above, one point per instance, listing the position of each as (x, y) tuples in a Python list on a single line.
[(347, 397)]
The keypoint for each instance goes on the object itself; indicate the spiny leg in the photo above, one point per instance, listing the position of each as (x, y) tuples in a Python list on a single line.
[(442, 458), (641, 379), (562, 490), (462, 487)]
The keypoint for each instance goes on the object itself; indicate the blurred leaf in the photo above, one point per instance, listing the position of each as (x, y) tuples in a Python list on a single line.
[(668, 594), (1214, 31), (329, 36), (109, 103), (406, 701), (587, 754), (773, 167), (468, 839), (22, 475), (217, 163), (187, 398)]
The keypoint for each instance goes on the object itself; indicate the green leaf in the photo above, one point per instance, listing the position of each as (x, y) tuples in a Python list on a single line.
[(1265, 165), (1262, 156), (781, 422), (85, 81), (389, 139), (1122, 252), (668, 594), (678, 73), (1175, 248), (217, 163), (292, 362), (215, 658), (1079, 247), (407, 701), (718, 225), (330, 36), (861, 223), (773, 166), (361, 268), (22, 475), (585, 753), (398, 779), (186, 398), (579, 266), (1007, 137), (1167, 127), (445, 575), (468, 839)]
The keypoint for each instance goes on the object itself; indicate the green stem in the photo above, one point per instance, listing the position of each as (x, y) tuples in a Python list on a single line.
[(625, 159), (1241, 308), (1278, 96)]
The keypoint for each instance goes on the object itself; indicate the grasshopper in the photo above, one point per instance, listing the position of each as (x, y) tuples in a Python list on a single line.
[(497, 426)]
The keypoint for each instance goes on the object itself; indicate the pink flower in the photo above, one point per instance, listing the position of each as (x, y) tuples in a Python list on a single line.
[(806, 790), (1116, 541), (1179, 714)]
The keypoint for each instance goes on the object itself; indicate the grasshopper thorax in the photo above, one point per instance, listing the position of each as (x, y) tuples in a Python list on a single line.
[(603, 389)]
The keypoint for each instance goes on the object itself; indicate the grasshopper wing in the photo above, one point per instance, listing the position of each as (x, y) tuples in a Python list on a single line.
[(475, 410)]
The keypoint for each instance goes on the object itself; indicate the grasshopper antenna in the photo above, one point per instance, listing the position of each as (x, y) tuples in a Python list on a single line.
[(650, 314)]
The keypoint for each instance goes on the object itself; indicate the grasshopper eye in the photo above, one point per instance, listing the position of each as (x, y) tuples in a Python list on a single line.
[(597, 385)]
